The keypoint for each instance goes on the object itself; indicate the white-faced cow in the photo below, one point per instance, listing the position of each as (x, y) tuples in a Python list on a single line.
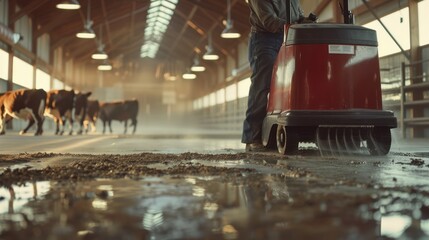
[(91, 115), (120, 111), (28, 104), (60, 105)]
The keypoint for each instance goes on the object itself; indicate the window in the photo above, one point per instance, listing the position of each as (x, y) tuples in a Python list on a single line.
[(57, 84), (212, 99), (206, 101), (423, 32), (22, 74), (220, 96), (4, 14), (243, 88), (4, 64), (43, 80), (198, 103), (231, 92), (400, 30)]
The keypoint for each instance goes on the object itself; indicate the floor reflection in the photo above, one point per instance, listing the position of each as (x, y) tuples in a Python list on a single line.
[(253, 206)]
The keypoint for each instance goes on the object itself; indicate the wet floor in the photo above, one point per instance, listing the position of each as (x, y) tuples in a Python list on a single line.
[(269, 206), (222, 193)]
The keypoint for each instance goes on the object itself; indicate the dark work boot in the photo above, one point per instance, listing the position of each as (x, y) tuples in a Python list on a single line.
[(255, 147)]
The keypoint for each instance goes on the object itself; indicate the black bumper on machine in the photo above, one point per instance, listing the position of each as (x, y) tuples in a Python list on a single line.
[(354, 117)]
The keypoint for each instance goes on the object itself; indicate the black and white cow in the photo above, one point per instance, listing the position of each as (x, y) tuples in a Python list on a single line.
[(27, 104), (120, 111)]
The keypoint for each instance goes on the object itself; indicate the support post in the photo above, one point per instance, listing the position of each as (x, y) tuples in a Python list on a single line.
[(415, 69), (402, 100)]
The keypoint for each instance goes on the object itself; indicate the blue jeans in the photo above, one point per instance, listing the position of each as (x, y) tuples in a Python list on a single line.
[(263, 50)]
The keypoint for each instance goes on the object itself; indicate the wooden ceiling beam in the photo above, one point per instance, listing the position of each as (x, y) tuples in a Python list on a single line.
[(106, 23), (60, 26), (127, 15), (185, 26), (132, 19), (28, 9)]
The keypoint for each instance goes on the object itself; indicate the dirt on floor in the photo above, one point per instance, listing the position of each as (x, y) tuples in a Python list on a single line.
[(86, 166), (23, 167)]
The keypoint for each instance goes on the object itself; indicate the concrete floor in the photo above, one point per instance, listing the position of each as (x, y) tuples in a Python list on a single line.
[(305, 196), (153, 139)]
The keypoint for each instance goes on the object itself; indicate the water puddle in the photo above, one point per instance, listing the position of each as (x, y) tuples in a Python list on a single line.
[(251, 206)]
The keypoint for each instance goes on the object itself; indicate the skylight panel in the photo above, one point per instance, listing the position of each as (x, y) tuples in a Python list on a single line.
[(155, 3), (163, 21), (165, 10), (158, 18), (169, 5), (152, 10)]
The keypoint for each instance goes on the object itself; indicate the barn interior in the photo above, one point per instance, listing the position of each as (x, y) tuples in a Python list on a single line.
[(184, 173)]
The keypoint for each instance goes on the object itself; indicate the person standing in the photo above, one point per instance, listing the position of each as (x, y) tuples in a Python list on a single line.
[(267, 19)]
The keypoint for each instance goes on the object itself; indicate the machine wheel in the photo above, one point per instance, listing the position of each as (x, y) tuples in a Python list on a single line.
[(379, 141), (287, 142)]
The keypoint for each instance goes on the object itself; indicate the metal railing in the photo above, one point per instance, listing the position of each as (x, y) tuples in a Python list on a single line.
[(404, 87), (410, 85)]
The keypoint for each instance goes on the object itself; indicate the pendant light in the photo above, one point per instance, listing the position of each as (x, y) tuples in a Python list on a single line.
[(68, 5), (210, 55), (100, 54), (197, 67), (87, 32), (105, 66), (230, 31), (189, 75)]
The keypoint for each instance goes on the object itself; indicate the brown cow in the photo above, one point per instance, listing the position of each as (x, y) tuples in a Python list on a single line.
[(26, 104), (91, 115), (121, 111)]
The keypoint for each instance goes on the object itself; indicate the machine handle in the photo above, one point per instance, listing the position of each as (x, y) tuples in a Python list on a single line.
[(288, 14), (347, 14)]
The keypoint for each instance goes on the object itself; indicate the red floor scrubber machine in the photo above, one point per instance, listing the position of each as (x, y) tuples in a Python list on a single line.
[(326, 89)]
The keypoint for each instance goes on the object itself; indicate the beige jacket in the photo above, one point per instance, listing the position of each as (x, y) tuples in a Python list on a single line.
[(270, 15)]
